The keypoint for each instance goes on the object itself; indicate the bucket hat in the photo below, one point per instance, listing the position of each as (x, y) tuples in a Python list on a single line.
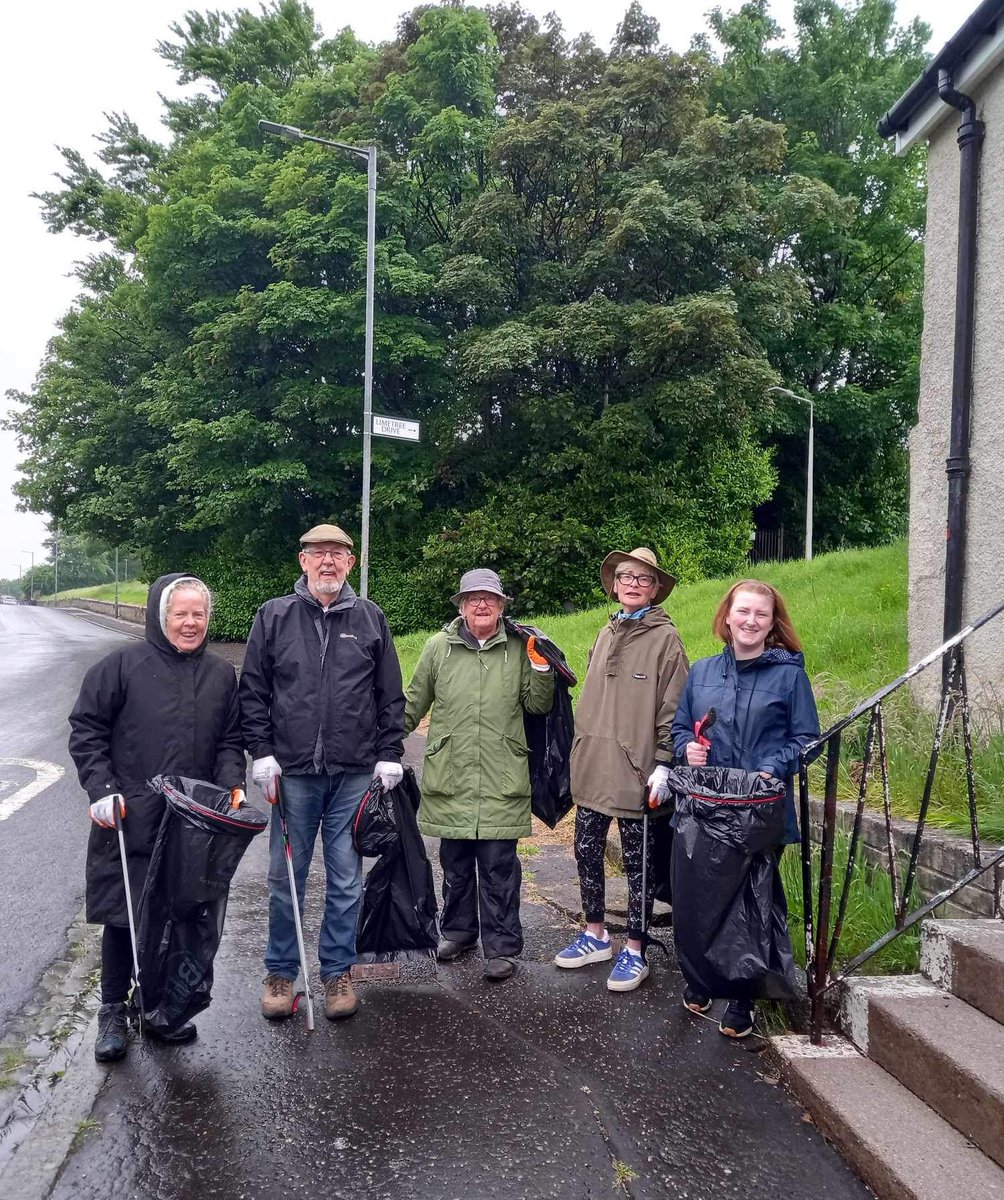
[(480, 580), (641, 556)]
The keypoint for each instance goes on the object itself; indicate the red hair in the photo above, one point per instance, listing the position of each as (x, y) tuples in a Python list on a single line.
[(782, 631)]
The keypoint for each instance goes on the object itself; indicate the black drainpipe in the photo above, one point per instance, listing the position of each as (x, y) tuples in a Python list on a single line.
[(957, 465)]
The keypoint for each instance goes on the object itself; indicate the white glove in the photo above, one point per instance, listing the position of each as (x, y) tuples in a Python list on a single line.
[(390, 774), (103, 810), (265, 773), (658, 784)]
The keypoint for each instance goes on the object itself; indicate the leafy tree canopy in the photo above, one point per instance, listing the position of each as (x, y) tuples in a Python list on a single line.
[(591, 267)]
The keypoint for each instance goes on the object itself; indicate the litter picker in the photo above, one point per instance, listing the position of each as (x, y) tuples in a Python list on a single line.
[(137, 991), (296, 909)]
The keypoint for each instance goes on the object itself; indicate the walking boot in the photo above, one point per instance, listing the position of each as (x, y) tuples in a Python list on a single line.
[(339, 997), (498, 968), (448, 949), (111, 1043), (277, 998)]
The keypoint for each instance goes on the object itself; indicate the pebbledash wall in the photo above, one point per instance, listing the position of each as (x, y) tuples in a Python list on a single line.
[(930, 438)]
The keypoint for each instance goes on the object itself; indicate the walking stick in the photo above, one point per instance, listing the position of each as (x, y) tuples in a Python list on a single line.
[(296, 909), (137, 990)]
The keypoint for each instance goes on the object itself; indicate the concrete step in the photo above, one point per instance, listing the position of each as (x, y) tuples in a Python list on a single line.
[(947, 1053), (898, 1146), (966, 958)]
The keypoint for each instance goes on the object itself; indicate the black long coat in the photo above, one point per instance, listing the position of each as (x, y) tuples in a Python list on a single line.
[(148, 709)]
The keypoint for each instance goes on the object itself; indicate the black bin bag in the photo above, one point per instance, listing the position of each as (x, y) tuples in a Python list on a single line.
[(199, 844), (398, 911), (730, 919), (549, 735)]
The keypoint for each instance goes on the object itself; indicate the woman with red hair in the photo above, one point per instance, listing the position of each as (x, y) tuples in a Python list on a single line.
[(765, 712)]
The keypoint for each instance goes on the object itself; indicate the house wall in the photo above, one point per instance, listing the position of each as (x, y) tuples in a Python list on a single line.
[(930, 438)]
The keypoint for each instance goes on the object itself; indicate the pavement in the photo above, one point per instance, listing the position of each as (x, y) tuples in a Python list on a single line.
[(442, 1087)]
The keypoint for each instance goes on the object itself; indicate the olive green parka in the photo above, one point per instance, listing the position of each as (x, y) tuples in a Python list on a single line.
[(624, 718), (475, 780)]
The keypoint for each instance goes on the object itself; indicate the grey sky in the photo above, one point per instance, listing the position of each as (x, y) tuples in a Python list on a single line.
[(63, 64)]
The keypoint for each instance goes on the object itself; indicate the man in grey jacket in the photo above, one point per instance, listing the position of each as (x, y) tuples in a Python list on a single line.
[(321, 707)]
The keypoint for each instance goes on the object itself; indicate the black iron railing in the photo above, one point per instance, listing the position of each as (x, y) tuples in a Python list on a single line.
[(822, 932)]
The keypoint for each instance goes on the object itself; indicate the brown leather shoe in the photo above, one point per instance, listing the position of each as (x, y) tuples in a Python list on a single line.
[(339, 997), (277, 998)]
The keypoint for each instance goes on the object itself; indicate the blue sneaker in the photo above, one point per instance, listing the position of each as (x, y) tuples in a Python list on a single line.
[(629, 970), (584, 950)]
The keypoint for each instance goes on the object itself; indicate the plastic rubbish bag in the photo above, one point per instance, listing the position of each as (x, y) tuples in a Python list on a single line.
[(184, 902), (374, 829), (549, 735), (729, 914), (398, 910)]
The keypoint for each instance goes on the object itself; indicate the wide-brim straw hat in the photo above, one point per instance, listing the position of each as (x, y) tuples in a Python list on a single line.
[(480, 580), (641, 556)]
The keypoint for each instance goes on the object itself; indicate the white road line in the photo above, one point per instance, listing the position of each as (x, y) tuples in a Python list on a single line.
[(46, 774)]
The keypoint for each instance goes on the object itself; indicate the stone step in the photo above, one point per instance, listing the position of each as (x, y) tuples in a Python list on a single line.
[(947, 1053), (898, 1146), (966, 958)]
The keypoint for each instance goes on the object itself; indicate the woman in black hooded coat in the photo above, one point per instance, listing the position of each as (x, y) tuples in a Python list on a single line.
[(161, 706)]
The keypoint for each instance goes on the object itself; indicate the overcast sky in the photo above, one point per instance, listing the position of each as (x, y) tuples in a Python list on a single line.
[(64, 63)]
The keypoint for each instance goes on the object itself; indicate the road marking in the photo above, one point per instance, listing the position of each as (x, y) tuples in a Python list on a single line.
[(46, 774)]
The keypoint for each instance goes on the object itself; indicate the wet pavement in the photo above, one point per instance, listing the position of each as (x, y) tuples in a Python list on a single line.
[(442, 1087), (546, 1085)]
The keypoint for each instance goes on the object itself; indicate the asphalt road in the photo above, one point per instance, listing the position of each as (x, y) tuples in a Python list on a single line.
[(43, 814)]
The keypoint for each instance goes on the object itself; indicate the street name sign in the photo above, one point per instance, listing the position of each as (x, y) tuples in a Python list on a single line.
[(395, 427)]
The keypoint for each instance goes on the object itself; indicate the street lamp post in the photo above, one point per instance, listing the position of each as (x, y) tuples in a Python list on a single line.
[(369, 154), (781, 391)]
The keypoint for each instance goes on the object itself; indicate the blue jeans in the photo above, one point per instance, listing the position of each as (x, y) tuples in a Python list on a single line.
[(312, 802)]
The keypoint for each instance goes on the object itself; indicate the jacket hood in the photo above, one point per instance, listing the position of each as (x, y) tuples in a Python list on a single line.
[(456, 631), (654, 616), (346, 595), (155, 634), (774, 656)]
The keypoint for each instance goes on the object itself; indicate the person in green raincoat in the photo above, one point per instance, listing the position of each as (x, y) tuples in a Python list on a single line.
[(478, 679)]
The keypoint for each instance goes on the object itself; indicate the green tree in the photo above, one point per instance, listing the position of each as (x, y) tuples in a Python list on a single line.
[(591, 267), (853, 216)]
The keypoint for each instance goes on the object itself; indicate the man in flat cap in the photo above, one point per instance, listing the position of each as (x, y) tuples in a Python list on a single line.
[(322, 707)]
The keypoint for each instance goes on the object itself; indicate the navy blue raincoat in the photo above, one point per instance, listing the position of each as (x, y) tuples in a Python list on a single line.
[(766, 714)]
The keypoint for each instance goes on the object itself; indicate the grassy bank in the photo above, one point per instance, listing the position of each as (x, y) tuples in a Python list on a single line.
[(850, 611), (131, 592)]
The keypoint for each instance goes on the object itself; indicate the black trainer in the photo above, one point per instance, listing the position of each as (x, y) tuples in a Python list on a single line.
[(112, 1041), (695, 1002), (737, 1020)]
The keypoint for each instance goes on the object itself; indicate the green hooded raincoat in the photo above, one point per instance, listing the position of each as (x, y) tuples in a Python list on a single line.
[(476, 781)]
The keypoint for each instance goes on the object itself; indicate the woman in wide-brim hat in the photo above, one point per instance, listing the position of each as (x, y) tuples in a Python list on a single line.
[(623, 723)]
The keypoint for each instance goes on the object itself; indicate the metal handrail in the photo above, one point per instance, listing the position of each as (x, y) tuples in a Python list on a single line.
[(821, 944)]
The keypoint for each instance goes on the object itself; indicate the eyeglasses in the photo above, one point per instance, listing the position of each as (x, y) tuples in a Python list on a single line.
[(479, 598), (316, 553), (631, 577)]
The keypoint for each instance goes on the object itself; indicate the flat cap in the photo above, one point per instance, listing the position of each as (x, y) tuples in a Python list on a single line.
[(325, 533)]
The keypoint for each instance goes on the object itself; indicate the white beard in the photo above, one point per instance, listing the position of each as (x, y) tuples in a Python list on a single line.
[(328, 587)]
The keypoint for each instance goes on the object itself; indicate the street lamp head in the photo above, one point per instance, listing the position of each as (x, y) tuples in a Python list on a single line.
[(285, 131)]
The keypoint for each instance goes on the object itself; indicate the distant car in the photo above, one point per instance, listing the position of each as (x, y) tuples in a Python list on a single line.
[(5, 599)]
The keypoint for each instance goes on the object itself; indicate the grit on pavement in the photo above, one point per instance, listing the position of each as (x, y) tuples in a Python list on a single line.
[(442, 1087)]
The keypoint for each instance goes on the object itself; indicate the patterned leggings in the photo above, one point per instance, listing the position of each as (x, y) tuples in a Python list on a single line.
[(591, 830)]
